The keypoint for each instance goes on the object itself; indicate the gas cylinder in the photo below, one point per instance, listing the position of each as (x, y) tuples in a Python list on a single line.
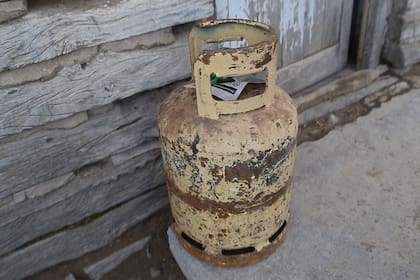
[(229, 164)]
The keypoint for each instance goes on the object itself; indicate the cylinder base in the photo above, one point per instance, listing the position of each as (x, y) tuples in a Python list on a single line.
[(230, 260)]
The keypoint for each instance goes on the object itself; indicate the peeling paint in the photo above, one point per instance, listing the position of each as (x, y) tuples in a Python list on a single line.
[(229, 178)]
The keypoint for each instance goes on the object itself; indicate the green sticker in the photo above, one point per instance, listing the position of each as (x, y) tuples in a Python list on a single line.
[(215, 80)]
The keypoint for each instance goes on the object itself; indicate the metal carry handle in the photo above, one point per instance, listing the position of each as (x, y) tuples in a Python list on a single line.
[(259, 55)]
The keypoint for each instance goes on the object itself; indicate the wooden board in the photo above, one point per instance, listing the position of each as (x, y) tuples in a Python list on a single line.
[(305, 27), (96, 163), (314, 23), (332, 22), (91, 190), (75, 242), (292, 31), (108, 76), (371, 21), (35, 157), (313, 68), (45, 70), (48, 32)]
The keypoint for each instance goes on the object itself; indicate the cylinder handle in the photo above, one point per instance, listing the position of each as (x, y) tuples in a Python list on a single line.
[(259, 55)]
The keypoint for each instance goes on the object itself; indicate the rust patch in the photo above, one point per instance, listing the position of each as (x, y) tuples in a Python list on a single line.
[(216, 172), (249, 170), (205, 58), (224, 209), (194, 144), (266, 59)]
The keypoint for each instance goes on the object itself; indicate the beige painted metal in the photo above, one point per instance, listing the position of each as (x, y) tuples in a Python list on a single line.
[(262, 53), (229, 164)]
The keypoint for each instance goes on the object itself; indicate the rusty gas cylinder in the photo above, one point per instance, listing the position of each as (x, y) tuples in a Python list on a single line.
[(229, 164)]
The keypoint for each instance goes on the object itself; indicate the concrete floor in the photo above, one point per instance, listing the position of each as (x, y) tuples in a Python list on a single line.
[(355, 206)]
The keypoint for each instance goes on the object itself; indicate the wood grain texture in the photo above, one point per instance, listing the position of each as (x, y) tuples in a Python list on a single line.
[(304, 27), (108, 76), (312, 69), (91, 190), (43, 154), (43, 34), (302, 74), (75, 242), (313, 27), (332, 22), (373, 28), (46, 70), (293, 28)]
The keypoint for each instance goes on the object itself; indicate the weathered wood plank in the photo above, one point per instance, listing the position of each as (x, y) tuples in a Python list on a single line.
[(12, 9), (331, 23), (314, 20), (46, 70), (108, 76), (312, 69), (308, 71), (48, 32), (91, 190), (345, 28), (293, 29), (370, 24), (43, 154), (77, 241)]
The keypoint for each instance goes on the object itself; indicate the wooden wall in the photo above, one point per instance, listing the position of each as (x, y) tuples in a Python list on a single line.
[(305, 27), (80, 88), (313, 35)]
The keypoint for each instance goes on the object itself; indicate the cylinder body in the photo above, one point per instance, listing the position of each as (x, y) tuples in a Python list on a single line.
[(229, 179)]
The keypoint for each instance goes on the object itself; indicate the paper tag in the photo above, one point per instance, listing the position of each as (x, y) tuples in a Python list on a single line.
[(228, 91), (225, 91)]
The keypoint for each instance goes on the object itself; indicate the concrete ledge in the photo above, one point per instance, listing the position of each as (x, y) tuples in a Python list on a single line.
[(402, 55), (12, 9)]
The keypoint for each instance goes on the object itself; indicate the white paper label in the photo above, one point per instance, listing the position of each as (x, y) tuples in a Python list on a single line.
[(225, 91), (228, 91)]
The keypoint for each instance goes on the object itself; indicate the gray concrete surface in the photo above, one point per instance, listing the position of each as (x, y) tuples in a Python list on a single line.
[(355, 205)]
